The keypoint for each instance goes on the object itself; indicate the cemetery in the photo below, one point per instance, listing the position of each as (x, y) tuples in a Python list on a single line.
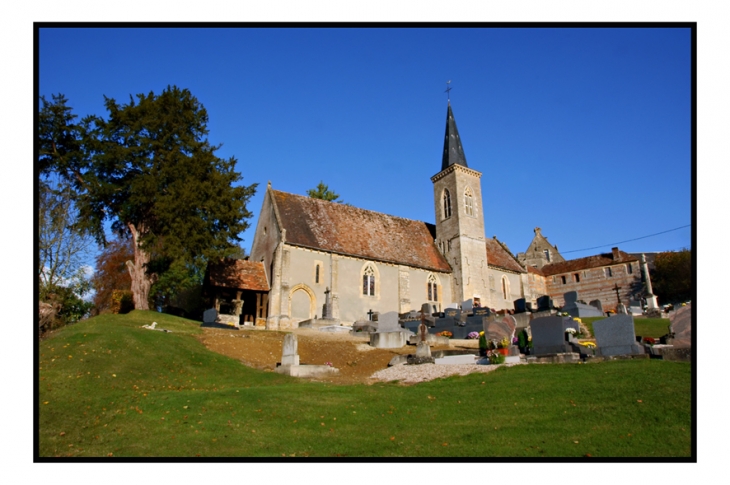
[(466, 338), (220, 392)]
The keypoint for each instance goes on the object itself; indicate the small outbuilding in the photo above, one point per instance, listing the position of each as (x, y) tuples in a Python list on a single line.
[(238, 287)]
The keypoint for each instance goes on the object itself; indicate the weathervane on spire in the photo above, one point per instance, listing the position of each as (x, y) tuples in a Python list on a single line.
[(448, 88)]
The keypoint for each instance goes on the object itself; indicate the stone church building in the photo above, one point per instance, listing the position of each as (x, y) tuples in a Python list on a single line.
[(369, 261)]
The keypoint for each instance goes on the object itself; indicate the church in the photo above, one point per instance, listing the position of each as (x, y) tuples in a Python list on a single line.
[(306, 251)]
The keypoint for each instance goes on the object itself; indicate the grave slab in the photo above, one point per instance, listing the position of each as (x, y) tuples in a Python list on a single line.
[(616, 336)]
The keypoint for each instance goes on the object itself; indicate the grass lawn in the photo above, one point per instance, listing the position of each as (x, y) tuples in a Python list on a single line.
[(645, 327), (111, 388)]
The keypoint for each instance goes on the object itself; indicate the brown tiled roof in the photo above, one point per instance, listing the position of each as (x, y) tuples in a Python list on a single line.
[(597, 261), (499, 257), (238, 274), (532, 269), (343, 229)]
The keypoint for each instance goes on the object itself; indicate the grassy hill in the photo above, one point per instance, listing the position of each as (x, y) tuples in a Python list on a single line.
[(111, 388)]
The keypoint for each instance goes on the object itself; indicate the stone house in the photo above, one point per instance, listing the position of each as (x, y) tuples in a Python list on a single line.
[(371, 261)]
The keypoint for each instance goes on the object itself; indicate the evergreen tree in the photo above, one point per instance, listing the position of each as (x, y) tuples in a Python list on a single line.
[(323, 192), (150, 171)]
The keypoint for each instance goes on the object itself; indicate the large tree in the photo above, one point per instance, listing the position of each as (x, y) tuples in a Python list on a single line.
[(149, 170), (672, 276)]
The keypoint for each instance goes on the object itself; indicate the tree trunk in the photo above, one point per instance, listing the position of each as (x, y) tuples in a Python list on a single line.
[(141, 282)]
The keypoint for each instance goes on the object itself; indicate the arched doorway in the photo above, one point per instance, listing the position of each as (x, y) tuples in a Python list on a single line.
[(302, 303)]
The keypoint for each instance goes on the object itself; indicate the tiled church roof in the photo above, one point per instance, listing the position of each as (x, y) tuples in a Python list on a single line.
[(343, 229), (238, 274), (499, 257), (597, 261)]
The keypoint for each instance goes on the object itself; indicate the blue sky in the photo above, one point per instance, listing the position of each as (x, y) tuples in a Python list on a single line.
[(584, 132)]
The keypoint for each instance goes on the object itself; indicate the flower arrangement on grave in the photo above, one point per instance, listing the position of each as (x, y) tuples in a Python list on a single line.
[(491, 344), (589, 344), (570, 331), (473, 335), (649, 340), (446, 334), (495, 357), (504, 343), (563, 314)]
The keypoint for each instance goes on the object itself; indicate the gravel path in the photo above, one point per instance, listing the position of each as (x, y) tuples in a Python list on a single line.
[(411, 374)]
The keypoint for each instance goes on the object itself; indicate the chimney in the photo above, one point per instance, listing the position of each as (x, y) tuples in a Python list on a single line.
[(537, 232), (615, 254)]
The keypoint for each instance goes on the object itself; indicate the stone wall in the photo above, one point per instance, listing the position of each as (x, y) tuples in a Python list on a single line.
[(595, 284)]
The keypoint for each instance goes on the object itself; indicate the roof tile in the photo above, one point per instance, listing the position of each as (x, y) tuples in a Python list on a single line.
[(344, 229)]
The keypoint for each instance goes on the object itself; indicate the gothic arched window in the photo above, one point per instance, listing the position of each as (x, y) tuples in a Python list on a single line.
[(505, 288), (432, 288), (468, 202), (447, 204), (368, 281)]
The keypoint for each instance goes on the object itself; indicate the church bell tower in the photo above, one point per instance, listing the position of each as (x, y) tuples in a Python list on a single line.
[(457, 196)]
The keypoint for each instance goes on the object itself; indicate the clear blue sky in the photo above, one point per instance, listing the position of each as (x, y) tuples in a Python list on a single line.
[(582, 132)]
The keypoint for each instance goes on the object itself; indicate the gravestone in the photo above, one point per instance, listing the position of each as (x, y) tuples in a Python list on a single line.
[(289, 355), (577, 309), (681, 326), (621, 309), (388, 322), (452, 313), (520, 305), (548, 335), (390, 334), (497, 330), (598, 305), (363, 327), (615, 336), (481, 312), (210, 315), (544, 303), (467, 306), (635, 307)]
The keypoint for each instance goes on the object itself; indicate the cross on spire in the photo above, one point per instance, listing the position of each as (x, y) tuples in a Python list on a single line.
[(448, 88)]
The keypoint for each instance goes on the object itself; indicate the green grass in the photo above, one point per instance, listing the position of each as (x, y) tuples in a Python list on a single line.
[(108, 386), (645, 327)]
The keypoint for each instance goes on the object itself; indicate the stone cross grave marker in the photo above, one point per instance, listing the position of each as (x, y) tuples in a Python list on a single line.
[(615, 336), (327, 311), (548, 335), (289, 355)]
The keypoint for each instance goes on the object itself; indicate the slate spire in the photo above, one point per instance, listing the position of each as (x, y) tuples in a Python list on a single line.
[(453, 151)]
